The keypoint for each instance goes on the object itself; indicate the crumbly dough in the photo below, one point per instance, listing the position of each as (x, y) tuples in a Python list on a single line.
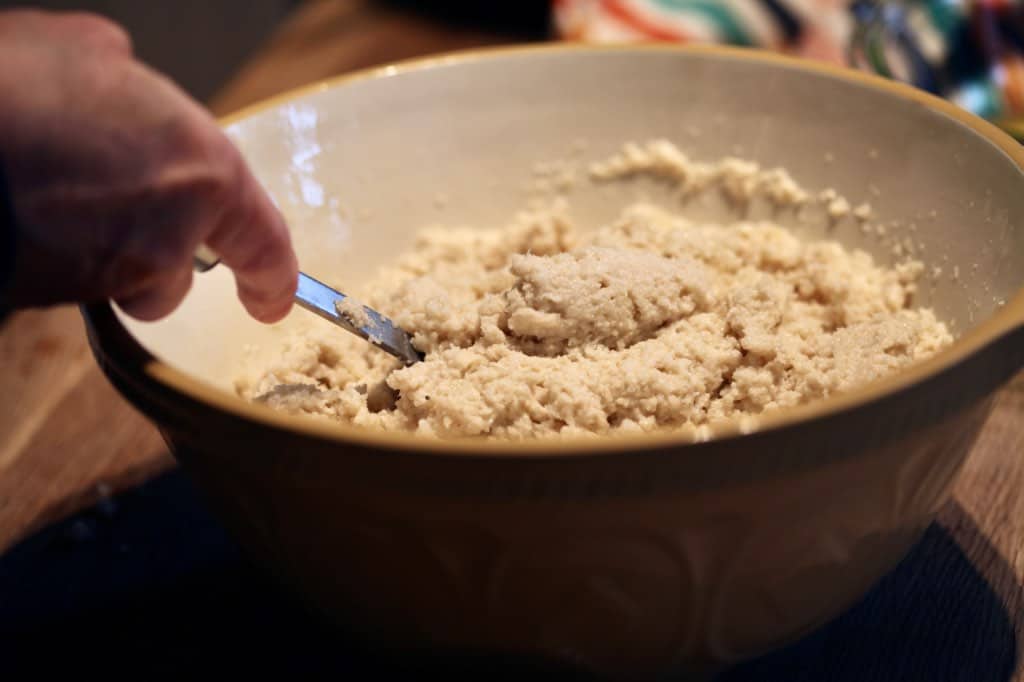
[(654, 321), (353, 311)]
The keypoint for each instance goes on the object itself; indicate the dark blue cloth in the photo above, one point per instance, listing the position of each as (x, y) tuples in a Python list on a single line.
[(148, 586)]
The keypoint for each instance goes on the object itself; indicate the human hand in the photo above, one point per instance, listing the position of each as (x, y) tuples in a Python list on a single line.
[(115, 177)]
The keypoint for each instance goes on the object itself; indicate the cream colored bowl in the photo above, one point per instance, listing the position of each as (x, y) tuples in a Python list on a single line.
[(630, 557)]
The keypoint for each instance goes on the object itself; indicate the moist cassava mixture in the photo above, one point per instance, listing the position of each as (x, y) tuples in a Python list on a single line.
[(540, 328)]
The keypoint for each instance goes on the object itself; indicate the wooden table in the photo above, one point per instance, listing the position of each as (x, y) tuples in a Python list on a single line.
[(67, 438)]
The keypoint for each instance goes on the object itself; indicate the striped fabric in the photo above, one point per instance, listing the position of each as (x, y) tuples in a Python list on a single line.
[(971, 51), (812, 28)]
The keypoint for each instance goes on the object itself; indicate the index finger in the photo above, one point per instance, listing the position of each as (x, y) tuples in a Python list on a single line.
[(252, 239)]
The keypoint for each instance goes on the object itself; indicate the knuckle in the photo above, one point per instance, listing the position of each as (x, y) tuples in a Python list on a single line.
[(24, 22), (227, 171), (101, 32), (211, 194), (215, 168), (206, 189), (199, 136), (197, 185), (20, 16)]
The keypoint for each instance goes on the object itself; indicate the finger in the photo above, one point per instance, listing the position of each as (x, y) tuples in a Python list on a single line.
[(159, 299), (96, 31), (252, 239), (87, 29)]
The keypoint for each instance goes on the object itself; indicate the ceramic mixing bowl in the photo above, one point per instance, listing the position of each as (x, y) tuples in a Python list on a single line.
[(630, 557)]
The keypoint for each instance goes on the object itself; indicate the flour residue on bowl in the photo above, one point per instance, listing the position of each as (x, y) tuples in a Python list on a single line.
[(540, 328)]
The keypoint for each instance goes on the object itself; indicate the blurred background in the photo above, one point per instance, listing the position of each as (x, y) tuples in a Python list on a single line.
[(970, 51), (201, 44)]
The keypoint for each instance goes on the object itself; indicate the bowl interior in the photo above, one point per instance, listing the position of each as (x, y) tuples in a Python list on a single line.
[(359, 167)]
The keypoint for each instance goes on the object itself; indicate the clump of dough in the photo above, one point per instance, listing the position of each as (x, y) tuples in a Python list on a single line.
[(741, 180), (353, 311), (603, 296)]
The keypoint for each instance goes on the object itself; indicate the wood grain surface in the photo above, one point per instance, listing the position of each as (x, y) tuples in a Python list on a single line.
[(66, 437)]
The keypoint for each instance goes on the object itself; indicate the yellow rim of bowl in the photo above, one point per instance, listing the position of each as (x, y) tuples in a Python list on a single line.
[(1005, 320)]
